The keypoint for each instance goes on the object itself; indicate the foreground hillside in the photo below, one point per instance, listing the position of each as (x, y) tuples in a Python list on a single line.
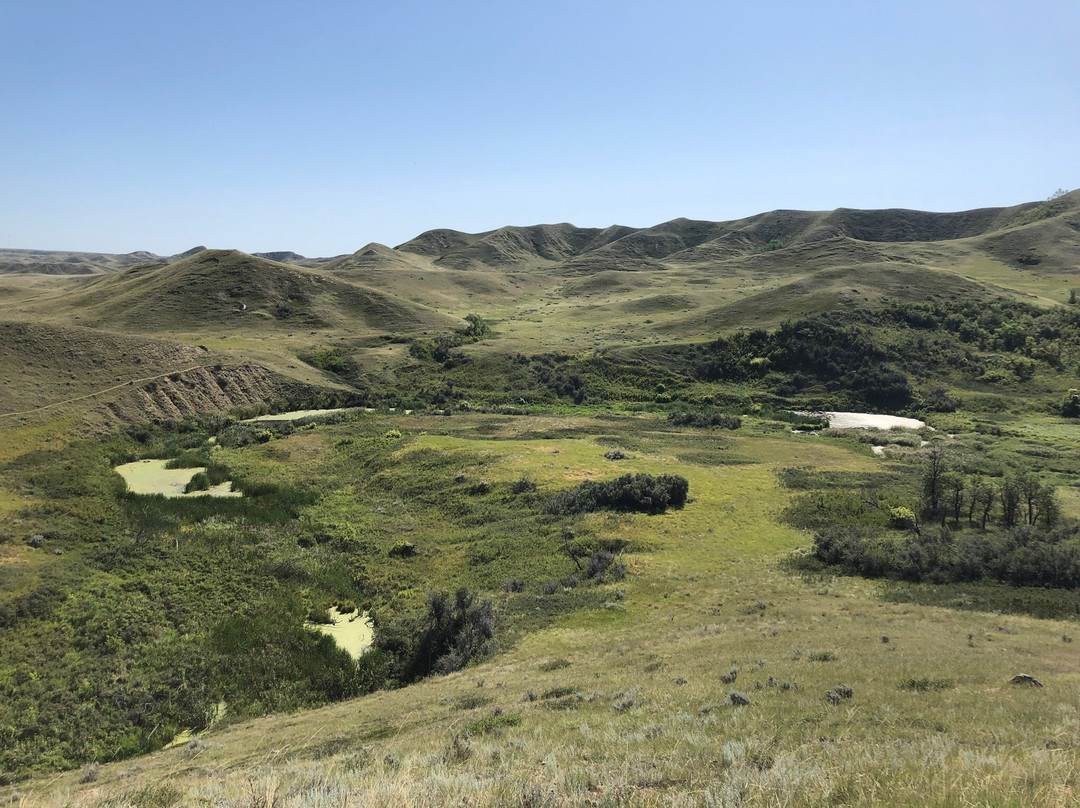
[(620, 692)]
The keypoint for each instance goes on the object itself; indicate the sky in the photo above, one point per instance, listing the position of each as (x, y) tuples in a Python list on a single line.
[(320, 126)]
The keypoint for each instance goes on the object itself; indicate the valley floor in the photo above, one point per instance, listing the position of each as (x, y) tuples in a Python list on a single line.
[(626, 705)]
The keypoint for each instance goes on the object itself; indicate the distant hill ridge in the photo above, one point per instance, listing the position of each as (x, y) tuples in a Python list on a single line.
[(692, 241), (229, 290), (682, 241)]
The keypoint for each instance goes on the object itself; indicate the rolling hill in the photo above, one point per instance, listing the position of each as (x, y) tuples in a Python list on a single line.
[(226, 290), (547, 288)]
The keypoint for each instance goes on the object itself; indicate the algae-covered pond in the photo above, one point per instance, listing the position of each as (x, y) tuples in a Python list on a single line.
[(152, 477), (353, 632), (296, 415)]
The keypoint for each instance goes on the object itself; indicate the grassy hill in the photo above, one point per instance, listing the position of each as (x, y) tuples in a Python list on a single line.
[(543, 282), (226, 290), (716, 653), (550, 288)]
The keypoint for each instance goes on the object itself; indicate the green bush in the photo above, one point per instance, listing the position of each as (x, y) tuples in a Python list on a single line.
[(200, 482), (1071, 407), (631, 492), (454, 631), (705, 419)]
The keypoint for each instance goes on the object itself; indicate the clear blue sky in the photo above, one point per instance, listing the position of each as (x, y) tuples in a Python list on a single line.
[(319, 126)]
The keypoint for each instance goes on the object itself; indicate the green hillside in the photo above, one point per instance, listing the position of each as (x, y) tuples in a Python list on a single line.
[(232, 291), (579, 481)]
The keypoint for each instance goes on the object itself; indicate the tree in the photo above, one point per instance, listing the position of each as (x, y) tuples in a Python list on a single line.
[(1009, 494), (954, 486), (981, 503), (477, 328), (1048, 505), (933, 482)]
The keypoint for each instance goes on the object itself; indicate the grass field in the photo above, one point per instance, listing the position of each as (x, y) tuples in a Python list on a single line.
[(623, 703)]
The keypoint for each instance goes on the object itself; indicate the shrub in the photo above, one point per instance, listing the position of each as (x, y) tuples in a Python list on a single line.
[(558, 693), (492, 723), (624, 700), (320, 616), (200, 482), (471, 702), (598, 564), (522, 486), (631, 492), (458, 751), (480, 488), (554, 665), (1071, 407), (705, 420), (454, 631), (477, 328), (902, 518), (923, 684), (403, 549), (838, 694)]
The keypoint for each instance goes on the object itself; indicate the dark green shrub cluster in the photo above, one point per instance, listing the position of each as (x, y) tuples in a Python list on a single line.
[(864, 357), (923, 684), (1021, 556), (1049, 604), (821, 348), (492, 723), (333, 359), (523, 485), (402, 549), (804, 421), (269, 661), (598, 564), (705, 420), (454, 631), (1071, 406), (442, 349), (631, 492)]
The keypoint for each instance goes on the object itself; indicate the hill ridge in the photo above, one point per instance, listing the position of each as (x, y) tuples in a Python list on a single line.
[(681, 239)]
